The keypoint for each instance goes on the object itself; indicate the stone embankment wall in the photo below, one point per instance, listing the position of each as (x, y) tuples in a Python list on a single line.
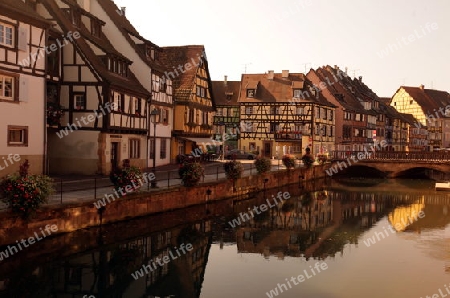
[(69, 218)]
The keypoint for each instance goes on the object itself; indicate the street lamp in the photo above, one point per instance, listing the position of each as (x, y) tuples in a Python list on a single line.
[(154, 116)]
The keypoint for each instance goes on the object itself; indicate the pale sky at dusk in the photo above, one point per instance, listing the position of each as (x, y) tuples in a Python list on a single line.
[(294, 34)]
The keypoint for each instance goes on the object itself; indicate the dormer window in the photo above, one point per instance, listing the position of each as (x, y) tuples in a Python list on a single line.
[(96, 28), (75, 16), (150, 52), (297, 93), (117, 66), (251, 93)]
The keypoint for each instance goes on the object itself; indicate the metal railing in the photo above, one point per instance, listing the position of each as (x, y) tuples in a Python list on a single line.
[(392, 155)]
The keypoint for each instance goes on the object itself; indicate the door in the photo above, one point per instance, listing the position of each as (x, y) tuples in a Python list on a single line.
[(114, 155)]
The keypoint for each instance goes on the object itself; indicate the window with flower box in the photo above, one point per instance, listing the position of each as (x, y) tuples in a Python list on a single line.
[(79, 101)]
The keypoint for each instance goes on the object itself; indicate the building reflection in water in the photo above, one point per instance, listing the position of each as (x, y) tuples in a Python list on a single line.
[(315, 224)]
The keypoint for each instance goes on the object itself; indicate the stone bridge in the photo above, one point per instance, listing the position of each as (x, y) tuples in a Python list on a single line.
[(392, 164)]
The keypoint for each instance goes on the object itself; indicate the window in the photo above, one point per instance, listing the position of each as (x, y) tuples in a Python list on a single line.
[(118, 102), (323, 112), (152, 146), (79, 101), (410, 102), (205, 118), (248, 110), (7, 87), (274, 127), (299, 110), (164, 116), (250, 93), (219, 112), (6, 35), (297, 93), (191, 115), (330, 115), (135, 148), (201, 91), (138, 106), (163, 149), (17, 135)]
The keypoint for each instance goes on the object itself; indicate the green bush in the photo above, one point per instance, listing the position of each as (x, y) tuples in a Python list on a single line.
[(263, 164), (25, 193)]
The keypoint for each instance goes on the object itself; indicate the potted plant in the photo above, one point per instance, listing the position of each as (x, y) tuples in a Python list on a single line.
[(191, 173), (126, 176), (25, 193), (307, 159), (262, 164), (288, 161), (233, 169), (54, 114)]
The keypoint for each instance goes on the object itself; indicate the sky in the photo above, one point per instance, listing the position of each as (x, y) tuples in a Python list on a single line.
[(389, 43)]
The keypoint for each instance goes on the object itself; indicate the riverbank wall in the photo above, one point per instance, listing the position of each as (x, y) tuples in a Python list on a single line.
[(69, 218)]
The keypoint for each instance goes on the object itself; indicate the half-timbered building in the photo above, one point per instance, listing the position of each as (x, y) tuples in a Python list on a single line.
[(148, 70), (355, 117), (282, 113), (23, 42), (227, 119), (105, 106), (193, 99)]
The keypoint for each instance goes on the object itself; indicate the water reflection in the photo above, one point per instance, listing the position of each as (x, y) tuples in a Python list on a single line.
[(316, 225)]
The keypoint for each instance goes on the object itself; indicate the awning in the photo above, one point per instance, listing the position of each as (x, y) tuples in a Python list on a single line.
[(204, 141)]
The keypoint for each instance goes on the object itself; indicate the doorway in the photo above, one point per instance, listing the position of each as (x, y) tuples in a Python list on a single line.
[(268, 149), (114, 155)]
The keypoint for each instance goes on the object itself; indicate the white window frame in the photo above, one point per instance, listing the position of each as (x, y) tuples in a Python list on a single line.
[(3, 79), (6, 35)]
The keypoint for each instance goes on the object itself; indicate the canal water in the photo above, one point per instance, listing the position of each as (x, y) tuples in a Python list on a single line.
[(346, 238)]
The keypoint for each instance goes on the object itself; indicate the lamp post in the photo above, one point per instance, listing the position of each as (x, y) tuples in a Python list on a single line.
[(154, 115)]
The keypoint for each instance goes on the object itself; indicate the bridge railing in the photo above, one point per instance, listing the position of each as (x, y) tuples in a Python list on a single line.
[(391, 155)]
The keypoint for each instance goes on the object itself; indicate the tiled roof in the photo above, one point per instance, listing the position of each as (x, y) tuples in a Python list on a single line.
[(178, 57), (279, 89), (409, 118), (129, 83), (127, 29), (19, 8), (226, 93), (344, 96), (429, 100)]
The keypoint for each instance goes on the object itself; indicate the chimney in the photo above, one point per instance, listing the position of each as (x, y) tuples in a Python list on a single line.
[(270, 75), (421, 87), (346, 69), (285, 74), (360, 78), (336, 67), (225, 80), (123, 9)]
